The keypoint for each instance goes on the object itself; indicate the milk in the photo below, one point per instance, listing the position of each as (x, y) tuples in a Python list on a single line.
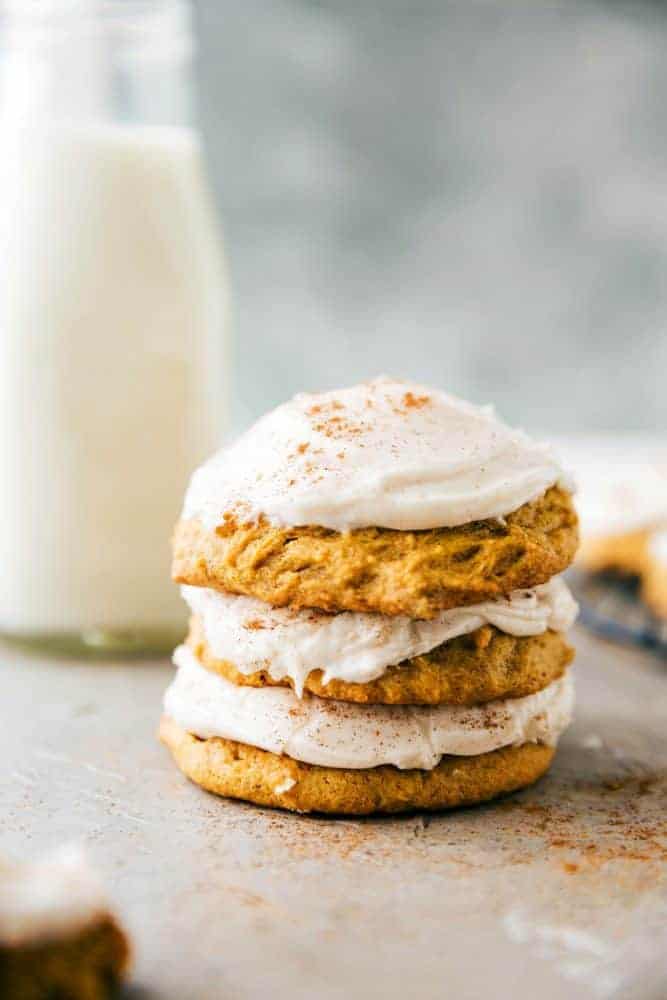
[(112, 320)]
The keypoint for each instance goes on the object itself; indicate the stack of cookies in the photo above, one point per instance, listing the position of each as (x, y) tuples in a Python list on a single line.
[(377, 617)]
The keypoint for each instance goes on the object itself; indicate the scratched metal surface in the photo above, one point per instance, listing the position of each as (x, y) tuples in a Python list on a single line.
[(559, 891)]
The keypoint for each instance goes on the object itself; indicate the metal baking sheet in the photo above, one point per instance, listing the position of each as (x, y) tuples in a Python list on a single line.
[(612, 606), (557, 892)]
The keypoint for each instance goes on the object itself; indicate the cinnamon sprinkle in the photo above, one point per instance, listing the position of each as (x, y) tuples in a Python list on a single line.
[(415, 402), (255, 624)]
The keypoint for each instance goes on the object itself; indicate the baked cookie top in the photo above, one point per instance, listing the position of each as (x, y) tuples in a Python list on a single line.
[(415, 573), (385, 454)]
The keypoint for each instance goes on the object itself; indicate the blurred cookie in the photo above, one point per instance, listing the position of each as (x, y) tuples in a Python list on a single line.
[(259, 743), (654, 574), (621, 498), (416, 573), (58, 937)]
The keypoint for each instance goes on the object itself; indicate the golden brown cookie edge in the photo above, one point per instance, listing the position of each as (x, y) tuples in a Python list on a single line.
[(236, 770), (417, 573)]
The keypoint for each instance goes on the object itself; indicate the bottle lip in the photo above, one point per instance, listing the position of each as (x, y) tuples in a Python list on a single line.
[(164, 27)]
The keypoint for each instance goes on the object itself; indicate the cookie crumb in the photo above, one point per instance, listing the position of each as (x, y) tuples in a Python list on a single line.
[(284, 786)]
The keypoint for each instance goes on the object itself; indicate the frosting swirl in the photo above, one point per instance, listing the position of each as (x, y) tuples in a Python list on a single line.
[(385, 453)]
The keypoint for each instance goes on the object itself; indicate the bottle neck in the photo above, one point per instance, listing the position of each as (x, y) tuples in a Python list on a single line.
[(96, 61)]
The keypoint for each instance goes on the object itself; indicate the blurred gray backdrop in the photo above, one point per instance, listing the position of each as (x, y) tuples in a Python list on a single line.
[(472, 194)]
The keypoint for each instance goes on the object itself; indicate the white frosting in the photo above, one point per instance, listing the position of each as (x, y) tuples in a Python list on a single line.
[(341, 734), (49, 899), (358, 647), (384, 453)]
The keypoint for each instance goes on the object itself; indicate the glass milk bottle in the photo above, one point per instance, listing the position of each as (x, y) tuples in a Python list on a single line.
[(112, 319)]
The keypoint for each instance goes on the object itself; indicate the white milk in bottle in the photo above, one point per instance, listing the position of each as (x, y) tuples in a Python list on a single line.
[(112, 320)]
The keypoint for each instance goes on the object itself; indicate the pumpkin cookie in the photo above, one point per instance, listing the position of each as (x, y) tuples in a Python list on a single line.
[(86, 966), (621, 499), (415, 573), (57, 935), (239, 771), (624, 553), (654, 574), (474, 668)]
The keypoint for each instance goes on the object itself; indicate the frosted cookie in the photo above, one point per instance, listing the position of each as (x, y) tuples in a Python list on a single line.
[(376, 569), (260, 743), (239, 771), (377, 620), (58, 937), (621, 499), (502, 649), (654, 574), (332, 757), (385, 497)]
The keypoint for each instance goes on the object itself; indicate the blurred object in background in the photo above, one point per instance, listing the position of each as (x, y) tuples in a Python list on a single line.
[(112, 318), (59, 936), (621, 499), (654, 575)]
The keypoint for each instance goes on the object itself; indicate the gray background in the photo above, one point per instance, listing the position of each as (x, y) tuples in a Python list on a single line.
[(472, 194)]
